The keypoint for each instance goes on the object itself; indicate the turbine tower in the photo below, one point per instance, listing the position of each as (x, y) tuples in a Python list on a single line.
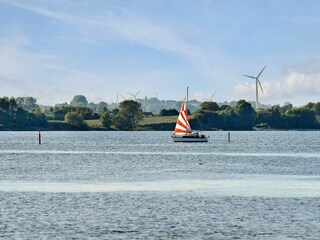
[(257, 83)]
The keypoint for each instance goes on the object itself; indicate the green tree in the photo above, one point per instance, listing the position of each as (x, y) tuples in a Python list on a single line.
[(169, 112), (271, 117), (15, 117), (206, 117), (105, 118), (92, 106), (101, 106), (129, 115), (60, 112), (21, 117), (245, 116), (4, 104), (229, 119), (209, 106), (120, 121), (225, 108), (287, 106), (75, 119), (208, 120), (114, 112), (27, 103), (79, 101), (301, 118), (38, 118), (314, 107)]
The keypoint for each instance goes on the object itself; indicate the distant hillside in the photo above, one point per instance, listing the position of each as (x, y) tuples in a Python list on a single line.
[(154, 105), (129, 115)]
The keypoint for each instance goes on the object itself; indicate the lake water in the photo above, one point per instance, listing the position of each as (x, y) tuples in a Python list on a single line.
[(141, 185)]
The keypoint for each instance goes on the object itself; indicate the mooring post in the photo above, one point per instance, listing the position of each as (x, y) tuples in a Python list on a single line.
[(39, 137), (228, 137)]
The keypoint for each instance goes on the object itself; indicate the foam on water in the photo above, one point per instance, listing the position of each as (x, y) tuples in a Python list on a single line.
[(249, 186), (227, 154), (141, 185)]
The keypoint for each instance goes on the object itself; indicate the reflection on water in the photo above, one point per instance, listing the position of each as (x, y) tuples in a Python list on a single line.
[(129, 185)]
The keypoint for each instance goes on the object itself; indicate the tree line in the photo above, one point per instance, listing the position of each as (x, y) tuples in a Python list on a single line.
[(15, 117), (25, 114), (244, 117)]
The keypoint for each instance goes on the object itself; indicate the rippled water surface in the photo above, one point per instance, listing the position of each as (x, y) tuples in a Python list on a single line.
[(141, 185)]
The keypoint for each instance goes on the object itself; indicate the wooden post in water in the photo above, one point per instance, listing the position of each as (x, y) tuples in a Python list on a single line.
[(228, 137), (39, 137)]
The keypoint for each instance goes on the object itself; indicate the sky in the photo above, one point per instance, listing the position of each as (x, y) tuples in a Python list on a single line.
[(53, 50)]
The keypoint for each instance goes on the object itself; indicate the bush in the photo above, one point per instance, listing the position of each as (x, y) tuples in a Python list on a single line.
[(74, 119)]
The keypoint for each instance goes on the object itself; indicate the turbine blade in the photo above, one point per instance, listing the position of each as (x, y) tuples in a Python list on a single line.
[(138, 92), (261, 71), (210, 99), (131, 94), (123, 97), (249, 76), (260, 86)]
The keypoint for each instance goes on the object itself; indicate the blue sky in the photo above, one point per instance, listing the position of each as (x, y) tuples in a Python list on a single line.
[(56, 49)]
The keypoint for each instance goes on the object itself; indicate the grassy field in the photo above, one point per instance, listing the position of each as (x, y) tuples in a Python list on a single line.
[(158, 123), (93, 123), (158, 120), (148, 123)]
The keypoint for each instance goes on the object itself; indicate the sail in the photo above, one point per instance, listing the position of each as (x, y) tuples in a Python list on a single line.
[(183, 126)]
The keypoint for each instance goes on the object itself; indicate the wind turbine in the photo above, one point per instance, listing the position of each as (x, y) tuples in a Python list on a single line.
[(134, 95), (257, 83), (210, 99), (123, 97)]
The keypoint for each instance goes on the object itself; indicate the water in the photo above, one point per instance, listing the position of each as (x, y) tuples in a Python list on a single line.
[(141, 185)]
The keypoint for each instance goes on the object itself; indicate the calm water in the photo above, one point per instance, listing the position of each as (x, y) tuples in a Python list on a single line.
[(141, 185)]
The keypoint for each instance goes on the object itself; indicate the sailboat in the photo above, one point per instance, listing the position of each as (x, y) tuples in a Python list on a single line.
[(183, 132)]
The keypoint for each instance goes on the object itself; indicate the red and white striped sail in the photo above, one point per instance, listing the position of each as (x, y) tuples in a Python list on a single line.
[(183, 126)]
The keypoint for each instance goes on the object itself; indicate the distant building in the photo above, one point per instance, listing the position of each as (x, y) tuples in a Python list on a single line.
[(147, 114)]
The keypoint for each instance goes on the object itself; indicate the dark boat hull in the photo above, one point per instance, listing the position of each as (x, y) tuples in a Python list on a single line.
[(190, 139)]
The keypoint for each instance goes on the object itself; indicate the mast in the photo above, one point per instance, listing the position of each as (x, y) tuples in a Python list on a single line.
[(117, 99), (187, 100), (257, 98), (187, 105), (187, 94)]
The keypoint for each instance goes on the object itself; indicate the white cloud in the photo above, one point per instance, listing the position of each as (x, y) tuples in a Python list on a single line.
[(58, 77), (25, 73), (301, 84), (301, 81), (126, 24), (129, 26), (18, 66)]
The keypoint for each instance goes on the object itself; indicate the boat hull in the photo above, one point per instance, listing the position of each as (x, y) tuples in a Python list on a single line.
[(190, 139)]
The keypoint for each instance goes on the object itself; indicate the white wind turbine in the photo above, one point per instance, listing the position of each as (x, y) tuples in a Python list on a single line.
[(210, 99), (257, 83), (123, 97), (134, 95)]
